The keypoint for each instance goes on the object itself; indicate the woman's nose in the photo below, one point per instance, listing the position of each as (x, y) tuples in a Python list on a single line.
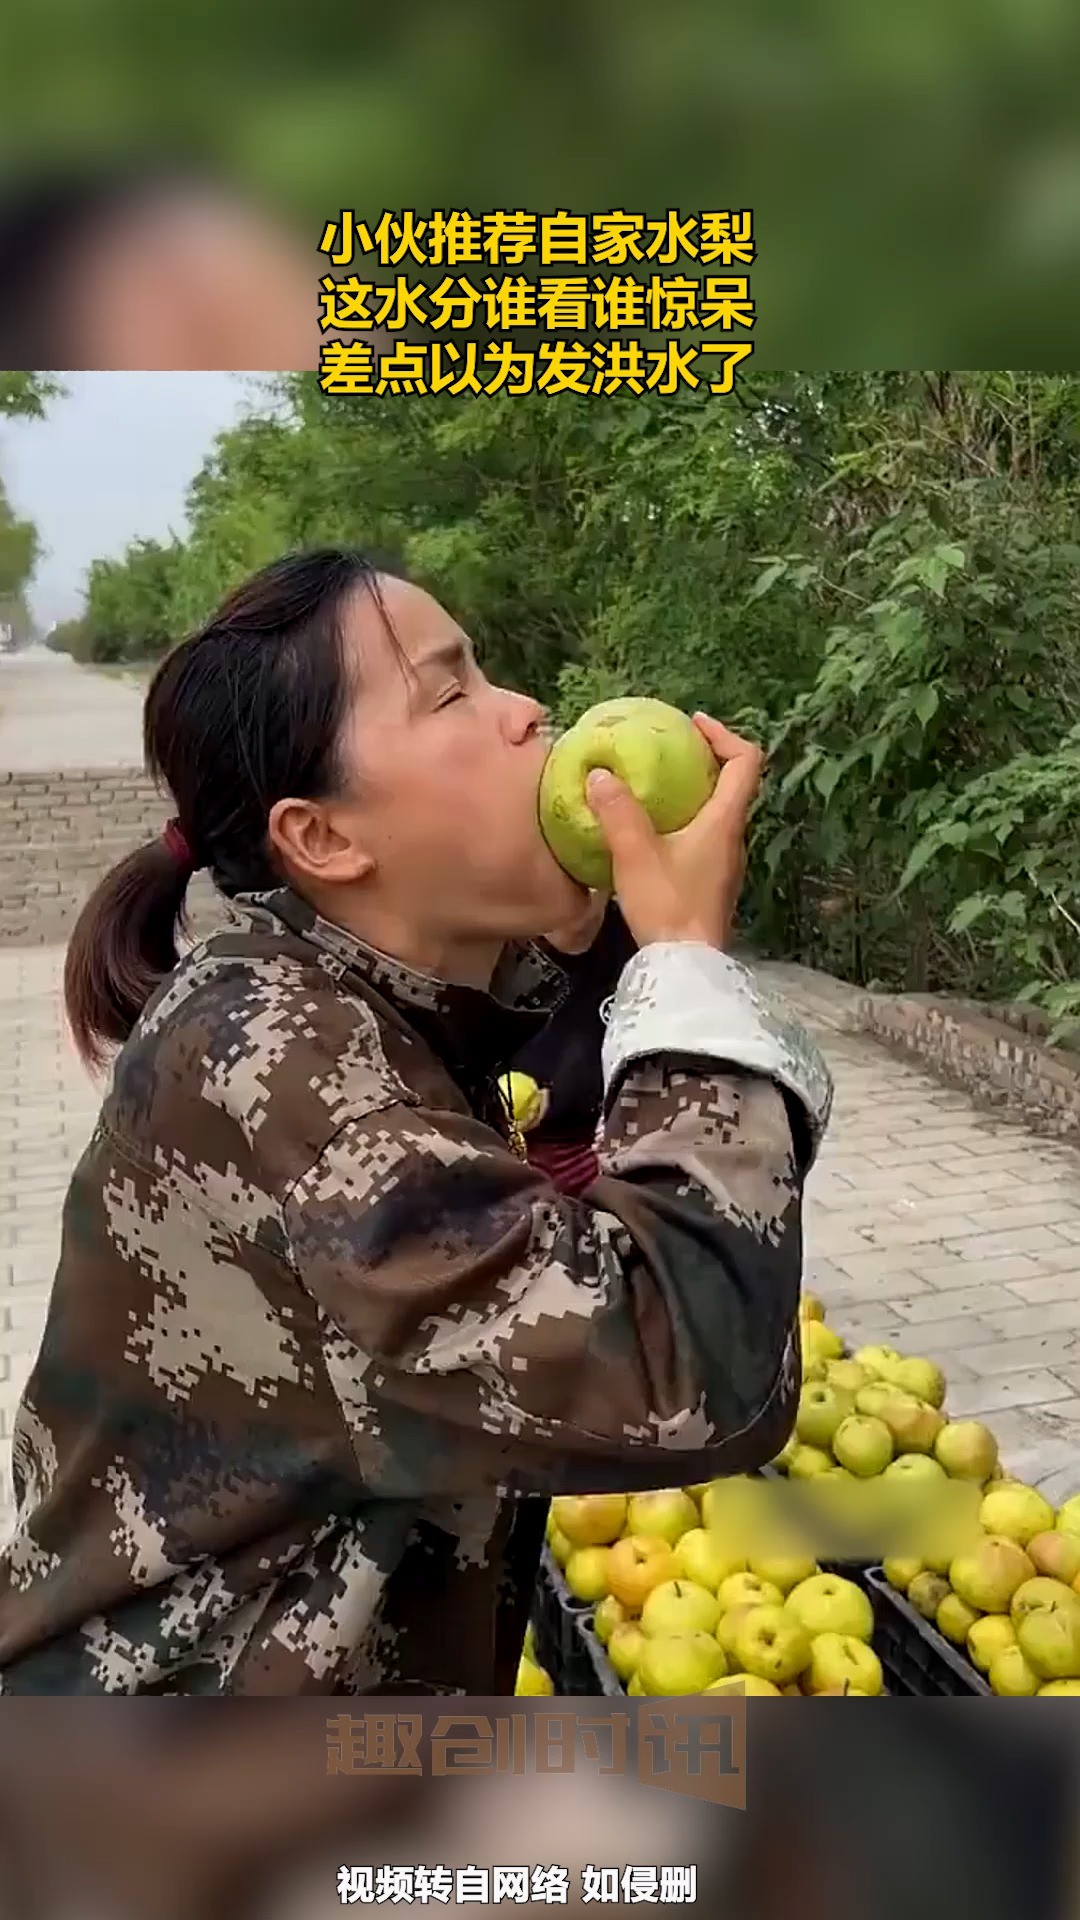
[(524, 716)]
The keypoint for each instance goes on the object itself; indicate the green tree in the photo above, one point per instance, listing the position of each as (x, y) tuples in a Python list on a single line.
[(27, 395), (876, 573), (129, 602)]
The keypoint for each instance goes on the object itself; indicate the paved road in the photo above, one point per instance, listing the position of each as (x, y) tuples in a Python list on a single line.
[(54, 714), (929, 1225)]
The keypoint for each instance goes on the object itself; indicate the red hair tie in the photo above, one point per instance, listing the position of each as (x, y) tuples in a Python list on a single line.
[(177, 844)]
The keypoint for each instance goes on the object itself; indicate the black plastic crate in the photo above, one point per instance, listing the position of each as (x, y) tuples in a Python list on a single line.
[(916, 1658), (603, 1677), (565, 1646)]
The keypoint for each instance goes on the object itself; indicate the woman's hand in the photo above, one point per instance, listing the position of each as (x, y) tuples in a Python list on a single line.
[(686, 885)]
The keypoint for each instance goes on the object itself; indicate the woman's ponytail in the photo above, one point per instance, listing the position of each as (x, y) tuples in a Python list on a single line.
[(123, 945)]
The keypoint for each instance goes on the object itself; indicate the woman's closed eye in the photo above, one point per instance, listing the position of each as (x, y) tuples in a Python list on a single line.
[(448, 698)]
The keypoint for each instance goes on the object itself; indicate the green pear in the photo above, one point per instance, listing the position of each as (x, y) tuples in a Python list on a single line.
[(843, 1663), (625, 1648), (1050, 1641), (988, 1575), (773, 1645), (704, 1557), (966, 1449), (807, 1462), (609, 1614), (880, 1361), (819, 1343), (821, 1410), (827, 1603), (679, 1663), (914, 1424), (665, 1512), (863, 1445), (917, 1469), (1036, 1596), (727, 1633), (678, 1606), (921, 1378), (847, 1374), (657, 751), (873, 1398)]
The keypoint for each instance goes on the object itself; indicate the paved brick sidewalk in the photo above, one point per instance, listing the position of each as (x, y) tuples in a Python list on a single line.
[(54, 714), (47, 1107), (938, 1229), (928, 1224)]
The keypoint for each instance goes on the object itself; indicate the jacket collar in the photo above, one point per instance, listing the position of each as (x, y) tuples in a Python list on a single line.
[(477, 1033)]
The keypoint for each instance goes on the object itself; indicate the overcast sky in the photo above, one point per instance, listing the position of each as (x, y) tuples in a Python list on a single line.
[(109, 463)]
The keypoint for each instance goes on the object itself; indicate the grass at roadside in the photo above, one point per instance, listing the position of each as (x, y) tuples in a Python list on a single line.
[(132, 673)]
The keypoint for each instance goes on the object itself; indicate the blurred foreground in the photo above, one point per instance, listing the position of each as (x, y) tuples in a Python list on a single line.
[(914, 173), (164, 1811)]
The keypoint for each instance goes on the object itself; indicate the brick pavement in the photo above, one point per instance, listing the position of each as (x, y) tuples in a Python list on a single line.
[(56, 714), (929, 1224)]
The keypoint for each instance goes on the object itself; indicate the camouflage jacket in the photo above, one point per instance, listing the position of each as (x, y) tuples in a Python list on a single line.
[(316, 1328)]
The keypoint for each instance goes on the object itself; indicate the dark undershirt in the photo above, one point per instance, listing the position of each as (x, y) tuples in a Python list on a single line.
[(565, 1057)]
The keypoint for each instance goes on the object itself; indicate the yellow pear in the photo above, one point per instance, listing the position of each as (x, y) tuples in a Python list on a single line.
[(842, 1661), (666, 1513), (524, 1098), (955, 1619), (990, 1636), (727, 1632), (749, 1684), (1068, 1515), (743, 1588), (1015, 1513), (921, 1378), (966, 1449), (586, 1573), (900, 1572), (819, 1343), (590, 1519), (609, 1614), (1011, 1677), (532, 1679)]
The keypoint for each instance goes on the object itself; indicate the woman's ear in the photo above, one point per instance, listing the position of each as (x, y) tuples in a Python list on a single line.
[(318, 843)]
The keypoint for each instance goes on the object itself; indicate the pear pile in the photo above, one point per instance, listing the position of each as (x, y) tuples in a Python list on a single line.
[(712, 1589), (701, 1590), (872, 1414), (991, 1563), (874, 1449), (1005, 1587)]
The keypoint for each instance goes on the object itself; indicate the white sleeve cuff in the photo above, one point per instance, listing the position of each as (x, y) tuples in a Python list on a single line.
[(689, 999)]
